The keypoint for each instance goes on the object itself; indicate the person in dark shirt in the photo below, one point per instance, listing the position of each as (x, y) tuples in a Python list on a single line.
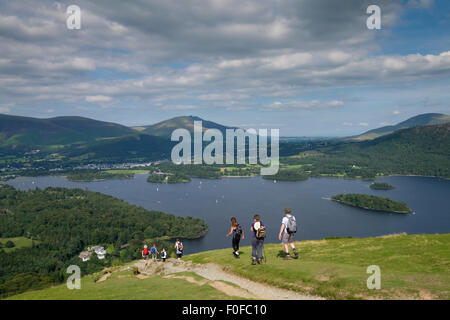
[(238, 234), (257, 239)]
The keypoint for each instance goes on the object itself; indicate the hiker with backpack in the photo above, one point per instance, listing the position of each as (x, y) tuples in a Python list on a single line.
[(287, 233), (154, 252), (163, 255), (259, 234), (179, 249), (145, 254), (238, 233)]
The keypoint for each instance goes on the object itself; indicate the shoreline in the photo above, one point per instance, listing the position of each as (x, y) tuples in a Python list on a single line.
[(250, 176)]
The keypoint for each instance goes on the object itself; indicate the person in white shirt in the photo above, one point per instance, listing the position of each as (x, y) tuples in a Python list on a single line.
[(287, 237)]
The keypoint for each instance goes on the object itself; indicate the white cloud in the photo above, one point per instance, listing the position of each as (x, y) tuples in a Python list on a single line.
[(420, 3), (177, 107), (99, 98), (4, 109), (235, 53), (293, 105)]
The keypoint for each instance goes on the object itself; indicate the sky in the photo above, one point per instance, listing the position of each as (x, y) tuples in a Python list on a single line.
[(305, 67)]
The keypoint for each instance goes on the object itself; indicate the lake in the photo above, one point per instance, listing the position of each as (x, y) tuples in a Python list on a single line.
[(216, 201)]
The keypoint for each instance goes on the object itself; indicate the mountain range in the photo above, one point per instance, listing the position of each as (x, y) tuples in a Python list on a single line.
[(76, 140)]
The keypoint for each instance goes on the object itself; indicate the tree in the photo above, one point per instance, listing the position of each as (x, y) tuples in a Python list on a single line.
[(10, 244)]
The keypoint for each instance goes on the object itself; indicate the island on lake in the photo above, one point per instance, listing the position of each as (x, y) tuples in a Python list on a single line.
[(381, 186), (369, 202), (88, 176)]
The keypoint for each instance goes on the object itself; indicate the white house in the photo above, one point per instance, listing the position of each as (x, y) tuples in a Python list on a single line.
[(85, 256), (99, 251)]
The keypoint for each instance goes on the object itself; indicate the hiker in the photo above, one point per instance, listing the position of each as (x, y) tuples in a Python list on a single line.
[(179, 249), (259, 233), (287, 233), (154, 252), (238, 233), (163, 255), (145, 253)]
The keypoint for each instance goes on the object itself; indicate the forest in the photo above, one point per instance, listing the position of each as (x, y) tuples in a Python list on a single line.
[(63, 222)]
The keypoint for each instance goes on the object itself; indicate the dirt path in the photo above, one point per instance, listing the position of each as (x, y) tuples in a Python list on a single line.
[(104, 277), (216, 275)]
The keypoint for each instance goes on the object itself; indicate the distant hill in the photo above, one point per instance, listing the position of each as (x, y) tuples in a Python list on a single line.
[(419, 120), (421, 150), (165, 128), (16, 131), (129, 148), (72, 140)]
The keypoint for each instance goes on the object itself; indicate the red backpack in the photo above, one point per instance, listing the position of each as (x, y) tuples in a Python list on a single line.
[(145, 251)]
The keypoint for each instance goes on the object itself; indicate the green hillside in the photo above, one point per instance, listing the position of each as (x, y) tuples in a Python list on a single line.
[(412, 267), (130, 148), (16, 131), (165, 128), (64, 222), (426, 119), (422, 150)]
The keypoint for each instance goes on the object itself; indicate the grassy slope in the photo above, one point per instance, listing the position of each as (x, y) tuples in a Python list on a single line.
[(412, 266), (125, 286)]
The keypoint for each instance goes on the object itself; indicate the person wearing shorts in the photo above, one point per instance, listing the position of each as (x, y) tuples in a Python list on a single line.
[(145, 254), (286, 237), (154, 252), (179, 249)]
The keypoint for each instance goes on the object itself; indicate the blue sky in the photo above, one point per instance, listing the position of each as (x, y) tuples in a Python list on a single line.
[(306, 67)]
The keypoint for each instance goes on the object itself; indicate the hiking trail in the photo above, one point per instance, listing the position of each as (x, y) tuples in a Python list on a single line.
[(214, 275)]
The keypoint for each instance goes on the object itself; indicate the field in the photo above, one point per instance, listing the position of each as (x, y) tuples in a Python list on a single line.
[(20, 242)]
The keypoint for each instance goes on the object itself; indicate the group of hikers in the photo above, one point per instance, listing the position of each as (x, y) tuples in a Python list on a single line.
[(286, 236), (153, 251)]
